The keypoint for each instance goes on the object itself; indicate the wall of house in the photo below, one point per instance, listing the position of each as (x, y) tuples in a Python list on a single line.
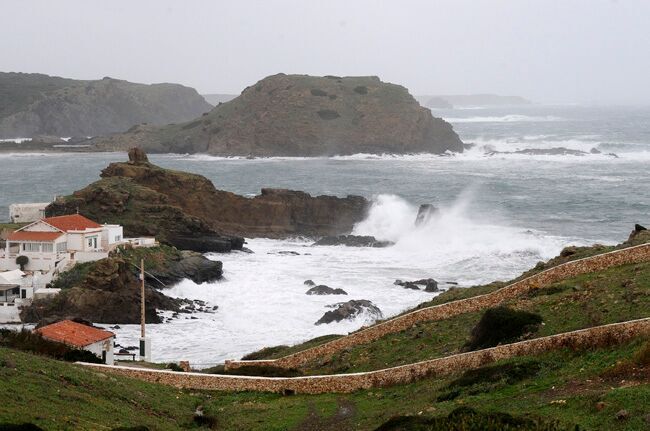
[(102, 346), (344, 383), (112, 234), (600, 262), (40, 227), (25, 213)]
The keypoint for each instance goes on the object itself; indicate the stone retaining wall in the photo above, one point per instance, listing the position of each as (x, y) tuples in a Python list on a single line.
[(637, 254), (344, 383)]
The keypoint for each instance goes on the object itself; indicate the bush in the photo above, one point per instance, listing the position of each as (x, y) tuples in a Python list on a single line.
[(502, 325), (485, 379), (33, 342), (259, 371), (318, 92), (361, 89), (174, 367), (22, 260), (468, 419), (328, 114)]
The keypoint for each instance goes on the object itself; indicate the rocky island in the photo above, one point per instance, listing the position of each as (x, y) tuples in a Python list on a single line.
[(301, 115), (33, 104), (187, 211)]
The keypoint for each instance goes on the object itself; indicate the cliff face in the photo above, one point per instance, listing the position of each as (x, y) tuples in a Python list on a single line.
[(299, 115), (175, 206), (48, 105)]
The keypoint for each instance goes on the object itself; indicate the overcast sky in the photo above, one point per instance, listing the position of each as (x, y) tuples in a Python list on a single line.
[(549, 51)]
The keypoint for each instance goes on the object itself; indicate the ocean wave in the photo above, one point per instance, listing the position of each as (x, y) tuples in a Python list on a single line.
[(510, 118)]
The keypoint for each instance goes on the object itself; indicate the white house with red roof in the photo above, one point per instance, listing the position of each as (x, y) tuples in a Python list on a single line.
[(80, 336), (58, 242)]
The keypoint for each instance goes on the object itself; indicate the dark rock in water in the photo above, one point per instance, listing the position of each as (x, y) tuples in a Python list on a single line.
[(638, 235), (247, 250), (639, 228), (287, 253), (430, 285), (206, 244), (425, 212), (353, 241), (191, 265), (349, 310), (187, 211), (325, 290), (309, 283), (595, 151)]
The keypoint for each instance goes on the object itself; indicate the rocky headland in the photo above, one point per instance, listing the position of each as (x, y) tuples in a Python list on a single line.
[(35, 104), (187, 211), (301, 115)]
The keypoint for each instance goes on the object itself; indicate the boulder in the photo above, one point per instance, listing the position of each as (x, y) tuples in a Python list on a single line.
[(425, 212), (349, 310), (191, 265), (325, 290), (309, 283), (353, 241), (137, 156), (430, 285)]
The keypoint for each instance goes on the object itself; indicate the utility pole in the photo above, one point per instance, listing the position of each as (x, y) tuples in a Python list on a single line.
[(145, 343)]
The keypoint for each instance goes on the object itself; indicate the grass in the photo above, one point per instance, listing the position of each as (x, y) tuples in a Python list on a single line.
[(563, 386), (615, 295)]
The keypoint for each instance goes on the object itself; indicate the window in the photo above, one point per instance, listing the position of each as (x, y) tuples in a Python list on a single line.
[(32, 247), (61, 247), (47, 247), (92, 242), (118, 238)]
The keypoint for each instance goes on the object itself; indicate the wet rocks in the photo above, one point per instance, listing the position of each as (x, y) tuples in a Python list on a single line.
[(353, 241), (325, 290), (191, 265), (309, 283), (429, 284), (425, 212), (349, 310)]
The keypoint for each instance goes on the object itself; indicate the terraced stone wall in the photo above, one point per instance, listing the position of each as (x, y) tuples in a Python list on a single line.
[(599, 336)]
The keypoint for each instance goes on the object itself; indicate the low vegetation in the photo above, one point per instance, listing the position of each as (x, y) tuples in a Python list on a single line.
[(502, 325)]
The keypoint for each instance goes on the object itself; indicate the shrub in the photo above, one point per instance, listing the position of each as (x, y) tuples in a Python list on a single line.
[(361, 89), (318, 92), (468, 419), (636, 364), (487, 378), (33, 342), (502, 325), (328, 114), (22, 260), (174, 367)]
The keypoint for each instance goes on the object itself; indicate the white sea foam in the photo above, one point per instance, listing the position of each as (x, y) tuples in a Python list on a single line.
[(262, 299), (510, 118)]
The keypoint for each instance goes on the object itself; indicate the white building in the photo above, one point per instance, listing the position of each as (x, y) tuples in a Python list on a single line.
[(26, 213), (55, 243), (80, 336)]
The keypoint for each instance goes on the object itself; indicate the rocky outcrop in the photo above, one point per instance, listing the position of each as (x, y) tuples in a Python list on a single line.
[(321, 289), (350, 310), (35, 104), (353, 241), (109, 293), (191, 265), (187, 211), (425, 212), (429, 284), (300, 115)]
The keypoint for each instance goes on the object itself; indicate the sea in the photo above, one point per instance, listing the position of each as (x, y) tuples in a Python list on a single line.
[(498, 215)]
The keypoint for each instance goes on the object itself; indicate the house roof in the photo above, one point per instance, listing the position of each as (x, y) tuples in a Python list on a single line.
[(13, 277), (73, 333), (25, 235), (71, 222)]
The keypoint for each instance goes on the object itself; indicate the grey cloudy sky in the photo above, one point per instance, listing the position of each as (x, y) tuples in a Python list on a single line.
[(549, 51)]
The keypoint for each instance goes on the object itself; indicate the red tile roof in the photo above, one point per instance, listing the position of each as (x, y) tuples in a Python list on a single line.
[(71, 222), (24, 235), (73, 333)]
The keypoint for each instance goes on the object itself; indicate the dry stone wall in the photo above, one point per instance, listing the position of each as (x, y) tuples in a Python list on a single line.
[(637, 254), (599, 336)]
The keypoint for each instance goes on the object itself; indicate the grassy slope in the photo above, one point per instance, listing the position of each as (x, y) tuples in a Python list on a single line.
[(611, 296), (567, 388)]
